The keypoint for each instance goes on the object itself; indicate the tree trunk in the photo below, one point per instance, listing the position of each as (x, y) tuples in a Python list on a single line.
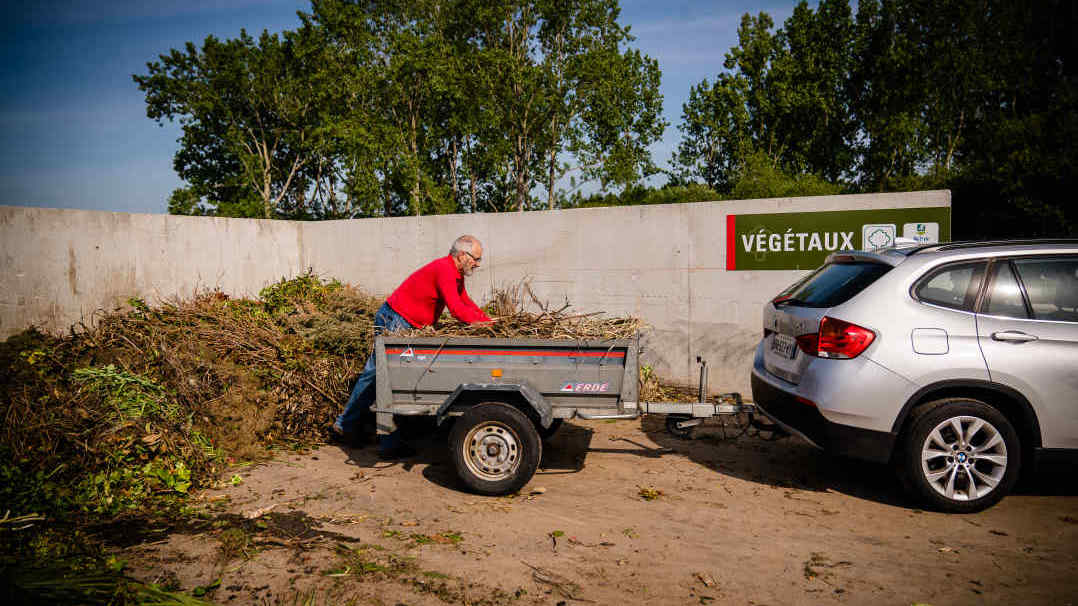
[(952, 140), (520, 162), (267, 193), (520, 165), (453, 170), (550, 179), (387, 201), (415, 161), (471, 179)]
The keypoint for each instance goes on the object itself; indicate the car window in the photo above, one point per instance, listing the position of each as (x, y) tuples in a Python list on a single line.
[(952, 286), (1052, 287), (1005, 295), (832, 284)]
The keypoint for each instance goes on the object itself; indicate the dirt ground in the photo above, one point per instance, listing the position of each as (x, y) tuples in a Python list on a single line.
[(619, 513)]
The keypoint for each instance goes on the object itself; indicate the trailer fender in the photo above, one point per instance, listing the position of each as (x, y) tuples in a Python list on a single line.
[(528, 393)]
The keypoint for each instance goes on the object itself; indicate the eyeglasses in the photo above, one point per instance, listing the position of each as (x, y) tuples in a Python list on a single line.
[(474, 258)]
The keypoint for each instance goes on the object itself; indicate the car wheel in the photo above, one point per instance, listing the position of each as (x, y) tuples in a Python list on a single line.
[(495, 448), (959, 455)]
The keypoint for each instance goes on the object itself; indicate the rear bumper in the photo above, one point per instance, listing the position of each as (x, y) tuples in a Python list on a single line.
[(805, 420)]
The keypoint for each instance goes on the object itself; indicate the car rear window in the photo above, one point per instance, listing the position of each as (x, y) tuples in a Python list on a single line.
[(832, 284)]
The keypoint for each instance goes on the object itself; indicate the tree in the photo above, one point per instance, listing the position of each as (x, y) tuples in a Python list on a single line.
[(1016, 164), (715, 133), (559, 78), (783, 95), (884, 85), (806, 83), (247, 113)]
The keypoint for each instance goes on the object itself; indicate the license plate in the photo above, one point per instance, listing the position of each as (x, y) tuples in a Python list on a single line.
[(783, 345)]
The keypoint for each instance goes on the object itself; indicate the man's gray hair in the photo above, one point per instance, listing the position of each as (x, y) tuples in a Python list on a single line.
[(463, 245)]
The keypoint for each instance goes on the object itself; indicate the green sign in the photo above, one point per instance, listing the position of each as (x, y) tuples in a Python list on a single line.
[(803, 240)]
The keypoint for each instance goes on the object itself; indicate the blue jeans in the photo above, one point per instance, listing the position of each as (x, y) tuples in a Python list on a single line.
[(359, 403)]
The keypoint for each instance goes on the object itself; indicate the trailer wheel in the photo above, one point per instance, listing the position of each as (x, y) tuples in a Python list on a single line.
[(495, 448)]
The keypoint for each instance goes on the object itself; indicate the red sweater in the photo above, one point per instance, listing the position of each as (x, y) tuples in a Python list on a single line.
[(422, 297)]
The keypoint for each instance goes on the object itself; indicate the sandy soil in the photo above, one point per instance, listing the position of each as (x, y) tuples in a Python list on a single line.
[(745, 521)]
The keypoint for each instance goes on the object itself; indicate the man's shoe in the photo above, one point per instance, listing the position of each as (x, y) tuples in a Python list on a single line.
[(400, 451), (338, 435)]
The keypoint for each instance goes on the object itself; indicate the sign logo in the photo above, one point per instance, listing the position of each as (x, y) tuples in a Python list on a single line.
[(922, 233), (877, 235), (586, 387)]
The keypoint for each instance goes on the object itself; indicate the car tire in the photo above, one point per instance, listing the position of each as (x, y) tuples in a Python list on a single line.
[(959, 455), (495, 448)]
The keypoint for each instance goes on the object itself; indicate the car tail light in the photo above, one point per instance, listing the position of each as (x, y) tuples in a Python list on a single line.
[(836, 339), (843, 340)]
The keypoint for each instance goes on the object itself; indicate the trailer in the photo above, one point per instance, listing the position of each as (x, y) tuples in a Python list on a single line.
[(505, 396)]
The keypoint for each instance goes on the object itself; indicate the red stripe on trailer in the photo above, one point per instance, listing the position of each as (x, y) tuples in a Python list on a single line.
[(512, 352), (731, 242)]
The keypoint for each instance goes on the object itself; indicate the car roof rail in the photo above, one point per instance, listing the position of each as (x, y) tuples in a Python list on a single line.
[(966, 244)]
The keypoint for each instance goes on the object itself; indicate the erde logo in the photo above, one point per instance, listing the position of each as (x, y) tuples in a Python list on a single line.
[(585, 387)]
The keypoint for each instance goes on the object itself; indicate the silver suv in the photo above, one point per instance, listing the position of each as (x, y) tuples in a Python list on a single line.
[(958, 363)]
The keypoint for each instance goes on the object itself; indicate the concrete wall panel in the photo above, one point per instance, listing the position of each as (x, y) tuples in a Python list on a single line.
[(665, 264)]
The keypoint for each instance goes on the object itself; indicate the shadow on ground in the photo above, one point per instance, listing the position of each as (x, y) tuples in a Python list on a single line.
[(564, 454), (723, 445), (791, 462)]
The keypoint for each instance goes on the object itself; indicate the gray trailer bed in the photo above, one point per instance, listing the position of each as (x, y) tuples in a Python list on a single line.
[(508, 393)]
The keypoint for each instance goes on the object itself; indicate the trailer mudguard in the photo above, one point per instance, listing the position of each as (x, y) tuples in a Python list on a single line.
[(528, 393)]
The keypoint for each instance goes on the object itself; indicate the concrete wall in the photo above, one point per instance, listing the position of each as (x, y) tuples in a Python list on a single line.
[(60, 266), (665, 264)]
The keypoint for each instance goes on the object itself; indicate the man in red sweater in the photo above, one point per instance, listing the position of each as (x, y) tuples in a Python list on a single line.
[(416, 303)]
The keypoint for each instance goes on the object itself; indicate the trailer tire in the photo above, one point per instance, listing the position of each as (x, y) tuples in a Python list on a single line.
[(495, 448)]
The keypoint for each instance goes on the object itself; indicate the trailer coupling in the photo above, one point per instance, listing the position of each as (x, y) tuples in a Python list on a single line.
[(724, 404)]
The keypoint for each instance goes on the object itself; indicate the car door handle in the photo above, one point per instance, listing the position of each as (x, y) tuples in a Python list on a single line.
[(1013, 336)]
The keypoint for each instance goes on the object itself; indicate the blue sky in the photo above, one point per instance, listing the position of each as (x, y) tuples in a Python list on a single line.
[(73, 125)]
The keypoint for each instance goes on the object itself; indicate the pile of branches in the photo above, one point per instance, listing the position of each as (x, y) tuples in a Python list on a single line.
[(511, 320), (147, 402)]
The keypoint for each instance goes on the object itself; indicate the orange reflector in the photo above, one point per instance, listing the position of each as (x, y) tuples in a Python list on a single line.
[(496, 372)]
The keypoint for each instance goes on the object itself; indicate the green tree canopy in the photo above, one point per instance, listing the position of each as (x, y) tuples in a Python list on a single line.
[(974, 95), (249, 118), (392, 107)]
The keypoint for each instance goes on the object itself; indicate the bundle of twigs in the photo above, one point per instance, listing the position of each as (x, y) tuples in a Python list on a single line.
[(512, 321)]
